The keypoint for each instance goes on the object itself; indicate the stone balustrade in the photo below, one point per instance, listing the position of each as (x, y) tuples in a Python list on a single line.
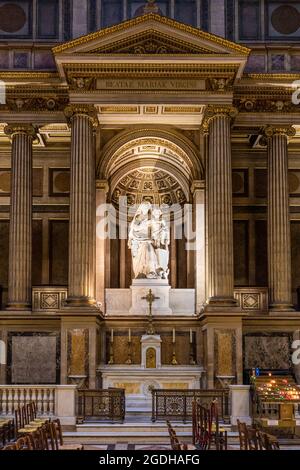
[(57, 401)]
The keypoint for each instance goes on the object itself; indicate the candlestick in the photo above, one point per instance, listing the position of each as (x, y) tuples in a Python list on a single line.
[(112, 336), (129, 335), (174, 360), (174, 336), (191, 336), (111, 353), (129, 356)]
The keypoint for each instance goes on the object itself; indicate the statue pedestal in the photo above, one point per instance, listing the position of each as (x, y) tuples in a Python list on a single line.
[(160, 288)]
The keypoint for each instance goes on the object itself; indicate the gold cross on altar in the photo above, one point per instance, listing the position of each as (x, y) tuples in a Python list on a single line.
[(150, 298)]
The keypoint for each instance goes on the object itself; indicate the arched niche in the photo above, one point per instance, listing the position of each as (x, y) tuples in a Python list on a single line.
[(159, 166)]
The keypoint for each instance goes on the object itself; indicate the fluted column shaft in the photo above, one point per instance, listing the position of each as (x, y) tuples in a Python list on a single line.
[(20, 231), (82, 208), (219, 216), (279, 234)]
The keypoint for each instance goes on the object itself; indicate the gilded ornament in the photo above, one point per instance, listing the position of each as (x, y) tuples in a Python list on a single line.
[(82, 109), (211, 112), (271, 131), (19, 128)]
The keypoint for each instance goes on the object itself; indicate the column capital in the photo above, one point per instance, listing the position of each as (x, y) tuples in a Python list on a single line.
[(270, 131), (102, 185), (213, 111), (82, 110), (19, 128), (197, 185)]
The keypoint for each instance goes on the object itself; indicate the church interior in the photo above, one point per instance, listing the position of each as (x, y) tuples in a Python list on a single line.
[(150, 224)]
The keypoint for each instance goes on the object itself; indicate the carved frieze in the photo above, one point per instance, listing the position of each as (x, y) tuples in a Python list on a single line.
[(265, 105), (34, 103)]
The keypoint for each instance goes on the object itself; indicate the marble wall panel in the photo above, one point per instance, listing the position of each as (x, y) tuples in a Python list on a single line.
[(4, 243), (261, 253), (267, 351), (225, 352), (58, 252), (33, 358), (78, 351), (37, 182), (37, 252), (295, 245), (59, 182), (241, 252)]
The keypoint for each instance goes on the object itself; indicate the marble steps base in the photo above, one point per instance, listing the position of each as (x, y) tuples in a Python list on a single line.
[(154, 433)]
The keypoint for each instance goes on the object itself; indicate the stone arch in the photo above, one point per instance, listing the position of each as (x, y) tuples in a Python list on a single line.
[(179, 152)]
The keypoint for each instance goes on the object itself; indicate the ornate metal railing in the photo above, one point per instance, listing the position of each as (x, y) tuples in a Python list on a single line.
[(101, 404), (178, 404)]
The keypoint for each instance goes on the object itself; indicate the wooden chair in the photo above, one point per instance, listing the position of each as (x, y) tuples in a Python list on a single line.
[(56, 437), (268, 441), (243, 435), (175, 443), (218, 433), (39, 439), (7, 431), (23, 443), (10, 447), (253, 439), (202, 427)]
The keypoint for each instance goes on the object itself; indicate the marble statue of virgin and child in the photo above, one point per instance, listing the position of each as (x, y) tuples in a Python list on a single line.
[(149, 240)]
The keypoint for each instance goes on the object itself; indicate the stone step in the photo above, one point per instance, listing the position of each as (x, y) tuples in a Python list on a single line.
[(133, 432)]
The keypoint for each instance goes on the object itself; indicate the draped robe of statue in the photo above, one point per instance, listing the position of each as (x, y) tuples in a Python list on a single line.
[(148, 241)]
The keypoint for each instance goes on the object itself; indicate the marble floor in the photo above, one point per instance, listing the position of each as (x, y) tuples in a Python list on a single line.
[(126, 446)]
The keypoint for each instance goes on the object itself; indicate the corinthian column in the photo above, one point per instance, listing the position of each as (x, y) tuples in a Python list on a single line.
[(279, 235), (20, 229), (219, 215), (82, 207)]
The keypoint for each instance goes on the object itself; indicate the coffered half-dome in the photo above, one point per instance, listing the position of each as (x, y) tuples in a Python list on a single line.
[(149, 184)]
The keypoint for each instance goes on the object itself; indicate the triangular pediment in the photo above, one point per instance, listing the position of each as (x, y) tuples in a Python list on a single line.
[(151, 42), (150, 34)]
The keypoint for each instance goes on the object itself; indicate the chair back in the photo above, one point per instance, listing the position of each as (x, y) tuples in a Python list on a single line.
[(23, 443), (243, 435)]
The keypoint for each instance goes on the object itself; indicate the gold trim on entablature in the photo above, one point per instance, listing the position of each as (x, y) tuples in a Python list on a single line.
[(28, 75), (160, 70), (271, 131), (158, 19), (272, 76)]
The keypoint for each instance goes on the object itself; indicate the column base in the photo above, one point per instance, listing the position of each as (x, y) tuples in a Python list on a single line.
[(81, 302), (20, 306), (222, 302), (278, 307)]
